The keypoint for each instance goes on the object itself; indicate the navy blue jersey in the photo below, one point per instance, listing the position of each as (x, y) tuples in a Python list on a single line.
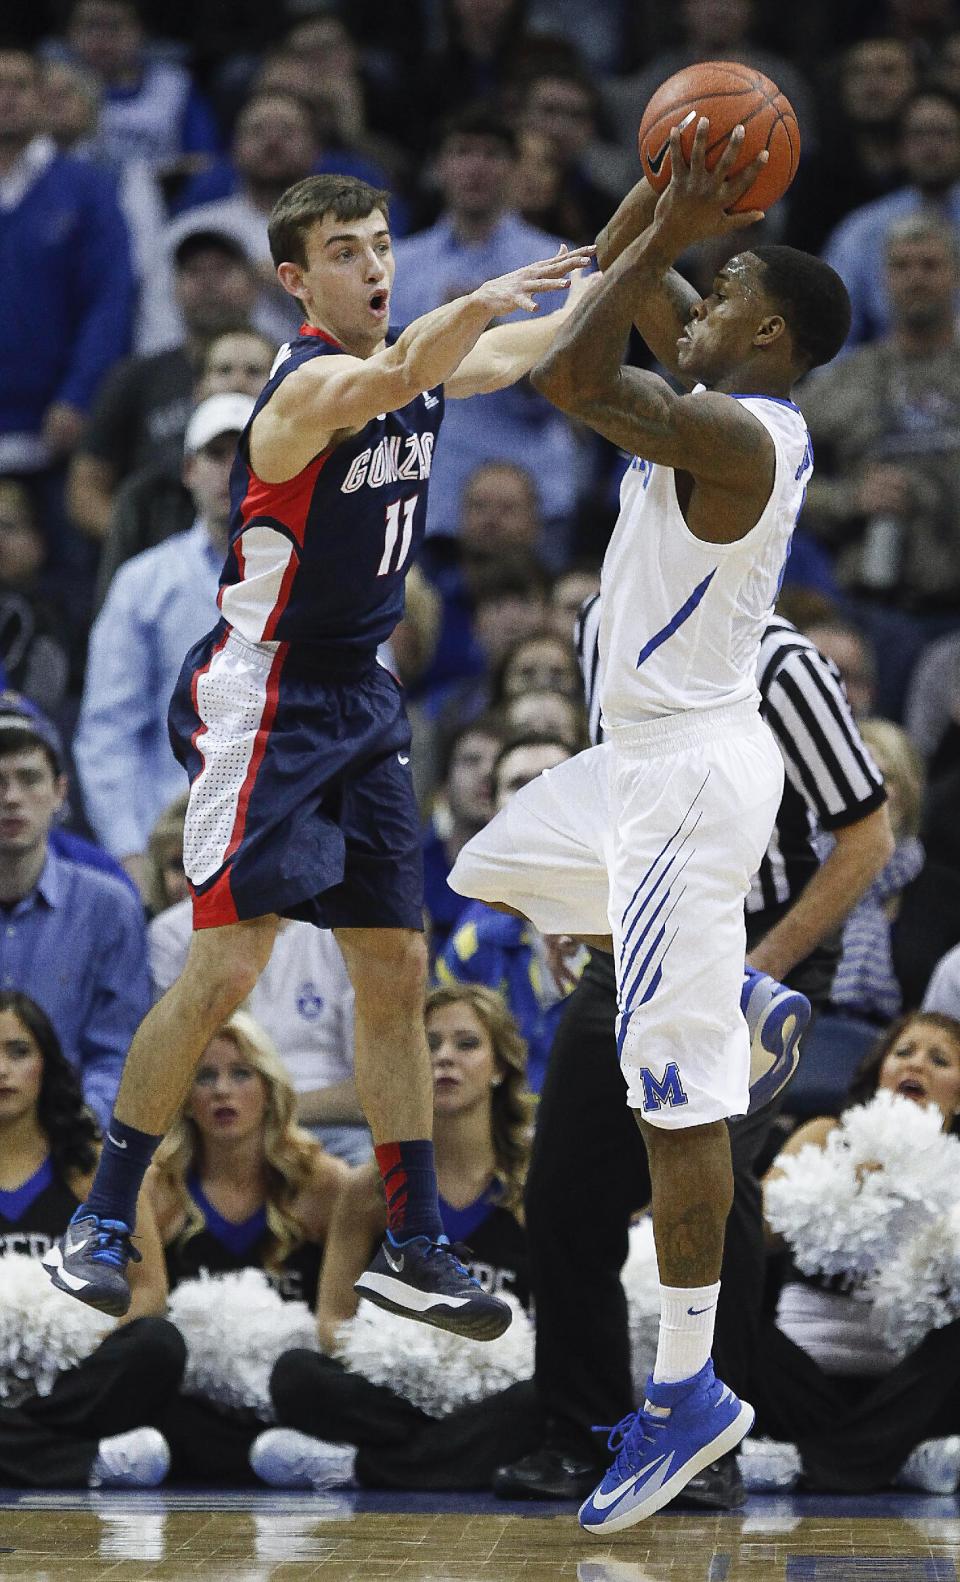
[(321, 559)]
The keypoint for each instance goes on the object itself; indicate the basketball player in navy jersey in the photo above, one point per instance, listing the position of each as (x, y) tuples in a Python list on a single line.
[(295, 738)]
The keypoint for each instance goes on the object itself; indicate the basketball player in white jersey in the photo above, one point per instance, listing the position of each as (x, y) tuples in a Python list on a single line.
[(653, 837)]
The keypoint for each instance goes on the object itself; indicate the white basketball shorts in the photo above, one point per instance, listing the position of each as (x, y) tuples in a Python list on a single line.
[(652, 838)]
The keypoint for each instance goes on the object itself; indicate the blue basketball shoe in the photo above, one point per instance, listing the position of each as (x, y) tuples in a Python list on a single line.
[(658, 1455), (426, 1281), (776, 1017), (90, 1262)]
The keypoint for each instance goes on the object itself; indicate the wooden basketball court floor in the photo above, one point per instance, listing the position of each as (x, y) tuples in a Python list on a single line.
[(265, 1537)]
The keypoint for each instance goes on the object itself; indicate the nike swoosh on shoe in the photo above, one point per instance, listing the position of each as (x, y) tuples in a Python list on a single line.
[(654, 1474)]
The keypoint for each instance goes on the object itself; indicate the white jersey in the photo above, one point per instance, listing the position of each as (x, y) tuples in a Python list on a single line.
[(681, 619)]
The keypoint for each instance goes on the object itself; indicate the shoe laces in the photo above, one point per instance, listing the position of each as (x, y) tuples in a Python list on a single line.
[(626, 1440), (114, 1244), (453, 1252)]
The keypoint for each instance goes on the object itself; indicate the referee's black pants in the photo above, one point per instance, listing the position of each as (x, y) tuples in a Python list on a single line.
[(588, 1175)]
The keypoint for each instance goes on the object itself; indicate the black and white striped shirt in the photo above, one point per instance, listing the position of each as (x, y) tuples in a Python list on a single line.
[(831, 779)]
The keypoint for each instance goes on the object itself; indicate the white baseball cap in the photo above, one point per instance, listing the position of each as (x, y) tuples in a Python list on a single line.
[(219, 414)]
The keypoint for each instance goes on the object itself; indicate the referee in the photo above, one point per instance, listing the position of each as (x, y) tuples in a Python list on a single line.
[(587, 1150)]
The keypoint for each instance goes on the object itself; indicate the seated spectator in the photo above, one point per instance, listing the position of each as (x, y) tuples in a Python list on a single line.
[(554, 714), (91, 1429), (886, 493), (843, 1412), (152, 110), (236, 1184), (482, 47), (482, 1129), (930, 160), (158, 604), (507, 953), (858, 159), (462, 806), (537, 662), (910, 915), (73, 935), (710, 30), (141, 413), (155, 503), (32, 651), (852, 652), (67, 305), (569, 591), (564, 105), (478, 236), (302, 1000), (274, 145), (165, 883)]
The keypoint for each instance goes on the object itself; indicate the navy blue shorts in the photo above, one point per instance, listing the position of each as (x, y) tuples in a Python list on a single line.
[(301, 796)]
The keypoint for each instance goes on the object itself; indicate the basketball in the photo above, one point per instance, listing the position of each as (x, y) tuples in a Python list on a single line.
[(729, 95)]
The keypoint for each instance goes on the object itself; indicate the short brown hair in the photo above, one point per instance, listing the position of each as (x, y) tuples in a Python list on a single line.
[(307, 201)]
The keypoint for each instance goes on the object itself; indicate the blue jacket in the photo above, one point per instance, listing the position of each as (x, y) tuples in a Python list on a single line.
[(66, 305)]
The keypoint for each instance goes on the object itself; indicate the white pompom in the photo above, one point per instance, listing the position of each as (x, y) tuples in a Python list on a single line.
[(236, 1326), (429, 1367), (640, 1279), (886, 1172), (42, 1330)]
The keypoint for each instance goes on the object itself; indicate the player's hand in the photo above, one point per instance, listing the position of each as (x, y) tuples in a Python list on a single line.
[(519, 289), (696, 202)]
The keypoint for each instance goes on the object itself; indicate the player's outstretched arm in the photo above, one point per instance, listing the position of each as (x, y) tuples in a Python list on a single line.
[(330, 395), (661, 310), (706, 434)]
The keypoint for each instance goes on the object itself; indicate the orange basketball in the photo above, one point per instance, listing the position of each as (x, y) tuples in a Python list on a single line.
[(729, 95)]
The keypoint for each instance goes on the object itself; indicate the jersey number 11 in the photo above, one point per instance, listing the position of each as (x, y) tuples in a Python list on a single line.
[(393, 533)]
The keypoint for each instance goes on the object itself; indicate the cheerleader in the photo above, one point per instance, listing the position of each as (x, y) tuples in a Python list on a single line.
[(237, 1184), (840, 1410), (92, 1428), (483, 1113)]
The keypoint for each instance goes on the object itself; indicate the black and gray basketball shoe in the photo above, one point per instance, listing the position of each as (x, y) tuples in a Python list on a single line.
[(426, 1281)]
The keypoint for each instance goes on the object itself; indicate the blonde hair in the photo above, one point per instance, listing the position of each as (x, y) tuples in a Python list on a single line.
[(901, 763), (166, 835), (512, 1104), (289, 1152)]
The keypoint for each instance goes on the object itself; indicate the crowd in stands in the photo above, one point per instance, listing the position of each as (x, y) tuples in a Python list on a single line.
[(142, 147)]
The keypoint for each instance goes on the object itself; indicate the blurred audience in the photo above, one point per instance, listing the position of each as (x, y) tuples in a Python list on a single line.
[(462, 806), (930, 162), (141, 413), (274, 145), (151, 109), (932, 714), (158, 604), (67, 305), (504, 952), (847, 647), (33, 654), (477, 237)]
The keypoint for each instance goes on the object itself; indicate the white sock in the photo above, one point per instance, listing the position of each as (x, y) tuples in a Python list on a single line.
[(687, 1316)]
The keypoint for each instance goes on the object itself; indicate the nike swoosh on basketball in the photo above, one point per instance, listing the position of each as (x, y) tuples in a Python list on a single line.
[(396, 1264), (655, 161), (115, 1140)]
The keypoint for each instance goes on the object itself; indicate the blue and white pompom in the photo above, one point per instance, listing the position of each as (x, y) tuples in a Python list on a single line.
[(433, 1369), (236, 1326), (43, 1331), (885, 1174)]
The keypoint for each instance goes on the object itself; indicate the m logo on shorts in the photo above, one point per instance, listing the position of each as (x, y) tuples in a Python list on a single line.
[(667, 1090)]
